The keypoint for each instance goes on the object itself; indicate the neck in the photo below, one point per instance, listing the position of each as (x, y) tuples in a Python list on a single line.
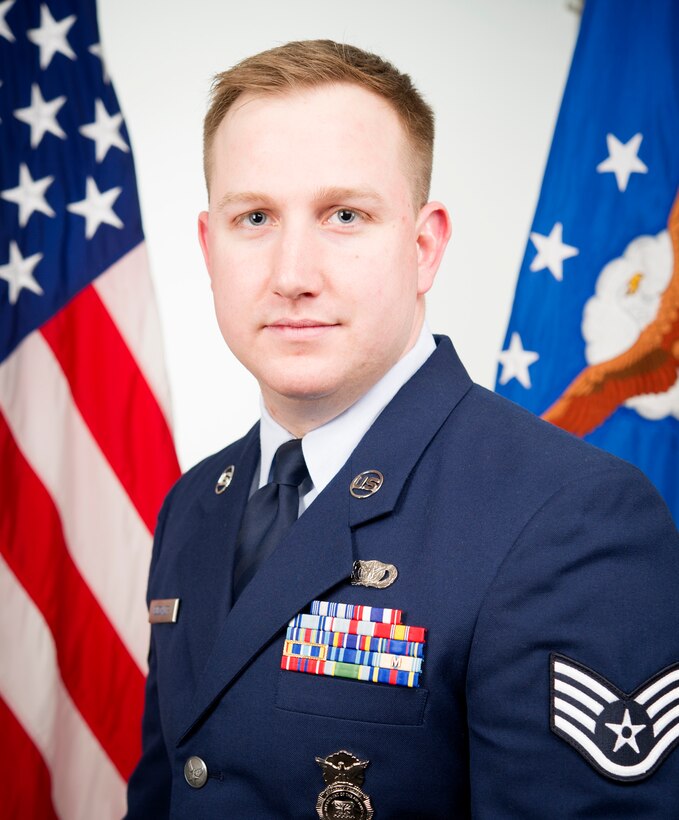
[(301, 416)]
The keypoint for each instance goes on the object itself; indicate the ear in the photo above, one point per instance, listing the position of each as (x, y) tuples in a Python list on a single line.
[(432, 234), (203, 235)]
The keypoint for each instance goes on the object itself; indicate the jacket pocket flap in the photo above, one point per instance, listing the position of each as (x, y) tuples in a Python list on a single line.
[(350, 700)]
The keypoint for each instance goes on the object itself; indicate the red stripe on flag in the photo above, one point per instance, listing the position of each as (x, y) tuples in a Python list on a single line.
[(115, 400), (99, 673), (26, 783)]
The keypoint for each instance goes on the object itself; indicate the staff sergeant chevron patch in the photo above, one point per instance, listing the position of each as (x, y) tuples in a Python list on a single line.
[(625, 737)]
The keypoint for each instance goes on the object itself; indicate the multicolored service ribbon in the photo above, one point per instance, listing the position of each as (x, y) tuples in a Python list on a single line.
[(327, 623), (332, 653), (363, 642), (358, 642), (372, 674), (357, 612)]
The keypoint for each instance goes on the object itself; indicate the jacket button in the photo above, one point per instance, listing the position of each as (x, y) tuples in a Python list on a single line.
[(195, 772)]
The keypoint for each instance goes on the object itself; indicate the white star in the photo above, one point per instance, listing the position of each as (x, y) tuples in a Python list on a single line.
[(622, 159), (29, 195), (627, 732), (515, 362), (41, 116), (5, 30), (19, 272), (51, 36), (97, 50), (97, 207), (104, 131), (551, 251)]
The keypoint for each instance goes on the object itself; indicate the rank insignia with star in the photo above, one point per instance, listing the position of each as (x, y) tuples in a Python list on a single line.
[(625, 737)]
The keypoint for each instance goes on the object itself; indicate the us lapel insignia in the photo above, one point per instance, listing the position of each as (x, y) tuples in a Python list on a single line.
[(225, 479), (366, 483), (623, 736), (373, 574), (343, 797)]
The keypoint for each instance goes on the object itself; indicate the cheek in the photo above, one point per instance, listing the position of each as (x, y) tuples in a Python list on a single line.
[(231, 275)]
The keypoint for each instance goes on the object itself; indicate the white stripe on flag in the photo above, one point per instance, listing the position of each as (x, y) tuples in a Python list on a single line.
[(126, 290), (107, 539), (81, 773), (585, 680)]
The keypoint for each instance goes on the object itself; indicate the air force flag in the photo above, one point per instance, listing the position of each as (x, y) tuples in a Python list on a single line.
[(593, 339)]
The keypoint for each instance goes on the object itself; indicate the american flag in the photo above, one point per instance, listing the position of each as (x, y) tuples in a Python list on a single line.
[(86, 451)]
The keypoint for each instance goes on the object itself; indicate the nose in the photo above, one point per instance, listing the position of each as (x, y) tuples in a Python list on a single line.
[(295, 270)]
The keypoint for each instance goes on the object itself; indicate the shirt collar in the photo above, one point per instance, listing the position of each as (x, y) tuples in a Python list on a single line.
[(327, 447)]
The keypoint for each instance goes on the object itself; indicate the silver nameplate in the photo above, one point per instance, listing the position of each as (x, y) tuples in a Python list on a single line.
[(164, 611)]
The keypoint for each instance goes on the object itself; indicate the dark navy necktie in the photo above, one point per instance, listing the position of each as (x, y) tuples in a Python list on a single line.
[(269, 513)]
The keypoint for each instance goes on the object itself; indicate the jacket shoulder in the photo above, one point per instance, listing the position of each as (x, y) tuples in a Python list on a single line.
[(531, 443)]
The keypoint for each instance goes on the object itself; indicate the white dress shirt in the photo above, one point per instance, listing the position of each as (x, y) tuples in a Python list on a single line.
[(328, 447)]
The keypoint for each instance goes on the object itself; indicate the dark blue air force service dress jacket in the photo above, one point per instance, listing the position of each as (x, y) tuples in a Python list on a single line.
[(545, 571)]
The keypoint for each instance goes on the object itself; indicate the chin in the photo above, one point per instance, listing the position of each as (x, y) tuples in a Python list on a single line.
[(302, 386)]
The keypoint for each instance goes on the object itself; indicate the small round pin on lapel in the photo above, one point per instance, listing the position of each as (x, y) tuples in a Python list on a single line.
[(366, 483), (225, 479)]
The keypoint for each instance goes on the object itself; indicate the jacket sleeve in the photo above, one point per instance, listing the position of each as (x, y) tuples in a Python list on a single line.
[(148, 791), (593, 577)]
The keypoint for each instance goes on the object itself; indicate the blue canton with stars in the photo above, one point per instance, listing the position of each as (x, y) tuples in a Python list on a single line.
[(611, 179), (68, 196)]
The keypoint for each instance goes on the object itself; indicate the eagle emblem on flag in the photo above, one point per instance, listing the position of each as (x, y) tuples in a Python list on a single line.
[(649, 364), (623, 736)]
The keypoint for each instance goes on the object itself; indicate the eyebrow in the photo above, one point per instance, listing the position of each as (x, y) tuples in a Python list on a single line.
[(335, 194), (243, 198)]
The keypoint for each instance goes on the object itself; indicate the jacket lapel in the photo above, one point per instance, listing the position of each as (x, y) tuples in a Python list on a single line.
[(207, 554), (317, 552), (315, 555), (404, 429)]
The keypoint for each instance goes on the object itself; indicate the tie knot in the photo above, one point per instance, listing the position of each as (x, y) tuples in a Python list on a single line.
[(289, 466)]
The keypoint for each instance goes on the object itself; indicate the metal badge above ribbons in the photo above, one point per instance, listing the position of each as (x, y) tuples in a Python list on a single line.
[(374, 574)]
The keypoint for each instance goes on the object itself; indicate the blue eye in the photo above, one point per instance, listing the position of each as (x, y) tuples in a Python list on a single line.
[(256, 218), (345, 216)]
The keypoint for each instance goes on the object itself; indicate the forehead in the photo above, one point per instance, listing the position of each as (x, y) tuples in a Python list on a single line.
[(340, 134)]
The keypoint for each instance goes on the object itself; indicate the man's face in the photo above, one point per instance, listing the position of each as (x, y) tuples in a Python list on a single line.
[(312, 242)]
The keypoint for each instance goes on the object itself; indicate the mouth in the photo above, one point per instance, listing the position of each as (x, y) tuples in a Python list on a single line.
[(300, 329)]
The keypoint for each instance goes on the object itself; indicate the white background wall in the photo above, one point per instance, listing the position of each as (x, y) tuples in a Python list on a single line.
[(494, 71)]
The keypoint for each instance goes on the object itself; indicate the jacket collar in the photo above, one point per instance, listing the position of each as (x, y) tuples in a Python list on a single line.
[(404, 429)]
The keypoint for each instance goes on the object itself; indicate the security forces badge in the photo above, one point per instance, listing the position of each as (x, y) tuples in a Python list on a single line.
[(343, 798), (624, 737)]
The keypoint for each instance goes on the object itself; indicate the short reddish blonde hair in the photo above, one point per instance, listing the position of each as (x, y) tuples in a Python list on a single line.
[(309, 63)]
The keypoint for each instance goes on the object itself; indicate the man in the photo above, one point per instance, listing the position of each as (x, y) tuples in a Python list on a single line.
[(535, 669)]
